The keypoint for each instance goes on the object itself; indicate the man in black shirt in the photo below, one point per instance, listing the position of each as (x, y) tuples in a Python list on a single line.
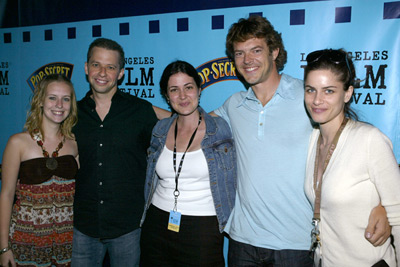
[(113, 134)]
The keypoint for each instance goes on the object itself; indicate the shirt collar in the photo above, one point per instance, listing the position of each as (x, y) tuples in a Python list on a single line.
[(283, 90), (88, 97)]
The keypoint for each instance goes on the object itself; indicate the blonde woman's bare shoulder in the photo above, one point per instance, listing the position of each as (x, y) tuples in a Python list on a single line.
[(20, 139), (16, 145)]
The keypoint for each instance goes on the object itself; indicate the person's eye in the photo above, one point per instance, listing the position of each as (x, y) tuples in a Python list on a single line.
[(310, 90), (67, 99), (111, 67), (329, 91), (52, 97), (238, 54)]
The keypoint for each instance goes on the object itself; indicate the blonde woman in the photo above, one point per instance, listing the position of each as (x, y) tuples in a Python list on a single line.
[(39, 167)]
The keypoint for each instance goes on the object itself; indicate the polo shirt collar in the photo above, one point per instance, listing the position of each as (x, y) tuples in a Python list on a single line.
[(283, 91)]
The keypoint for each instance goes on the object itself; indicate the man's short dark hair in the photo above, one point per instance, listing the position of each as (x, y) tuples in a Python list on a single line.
[(109, 45)]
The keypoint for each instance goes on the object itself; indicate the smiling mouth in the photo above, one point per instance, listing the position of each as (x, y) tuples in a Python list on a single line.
[(318, 110), (100, 81), (184, 104), (250, 69)]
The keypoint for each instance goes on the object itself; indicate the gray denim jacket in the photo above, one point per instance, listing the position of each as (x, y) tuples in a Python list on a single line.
[(219, 150)]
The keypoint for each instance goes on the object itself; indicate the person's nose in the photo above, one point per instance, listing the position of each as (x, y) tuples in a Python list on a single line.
[(318, 99), (102, 71), (182, 94), (59, 103), (247, 58)]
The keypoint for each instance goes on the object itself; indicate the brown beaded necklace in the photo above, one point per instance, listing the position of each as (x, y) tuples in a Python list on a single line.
[(51, 163)]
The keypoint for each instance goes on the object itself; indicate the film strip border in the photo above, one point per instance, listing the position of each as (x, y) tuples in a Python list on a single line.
[(391, 10)]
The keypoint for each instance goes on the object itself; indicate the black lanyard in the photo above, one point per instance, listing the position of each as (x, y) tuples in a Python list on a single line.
[(177, 173)]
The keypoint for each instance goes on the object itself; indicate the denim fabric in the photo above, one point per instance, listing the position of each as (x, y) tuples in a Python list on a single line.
[(218, 148), (241, 254), (89, 251)]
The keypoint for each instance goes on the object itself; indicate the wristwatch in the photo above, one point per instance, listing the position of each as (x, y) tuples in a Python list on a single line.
[(4, 250)]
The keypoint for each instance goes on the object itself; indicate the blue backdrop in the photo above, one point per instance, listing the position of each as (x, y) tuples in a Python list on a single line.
[(369, 29)]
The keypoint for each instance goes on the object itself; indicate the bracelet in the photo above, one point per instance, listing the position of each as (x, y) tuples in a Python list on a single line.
[(4, 250)]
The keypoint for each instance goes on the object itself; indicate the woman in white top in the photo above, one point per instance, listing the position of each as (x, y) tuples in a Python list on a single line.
[(350, 169), (190, 180)]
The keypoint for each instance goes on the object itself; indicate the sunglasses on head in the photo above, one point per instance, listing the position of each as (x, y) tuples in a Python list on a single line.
[(334, 56)]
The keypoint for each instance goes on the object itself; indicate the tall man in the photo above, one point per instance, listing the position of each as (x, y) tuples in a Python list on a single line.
[(113, 133), (271, 220)]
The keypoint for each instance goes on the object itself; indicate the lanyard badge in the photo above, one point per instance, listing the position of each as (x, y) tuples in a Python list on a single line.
[(174, 215), (174, 221), (315, 240)]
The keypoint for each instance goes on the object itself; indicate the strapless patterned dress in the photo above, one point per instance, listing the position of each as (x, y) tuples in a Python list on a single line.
[(42, 217)]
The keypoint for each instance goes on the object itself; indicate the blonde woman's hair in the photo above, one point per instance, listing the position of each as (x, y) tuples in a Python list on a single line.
[(35, 114)]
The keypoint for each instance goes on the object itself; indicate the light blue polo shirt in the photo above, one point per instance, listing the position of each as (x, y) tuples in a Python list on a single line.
[(271, 208)]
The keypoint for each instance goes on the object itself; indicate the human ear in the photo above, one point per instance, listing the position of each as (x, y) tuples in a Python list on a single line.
[(275, 53), (121, 73), (348, 94)]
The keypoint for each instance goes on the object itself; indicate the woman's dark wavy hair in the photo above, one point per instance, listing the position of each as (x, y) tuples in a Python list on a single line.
[(175, 67), (344, 71), (256, 27)]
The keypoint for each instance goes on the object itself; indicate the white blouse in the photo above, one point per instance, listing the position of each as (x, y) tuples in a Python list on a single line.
[(361, 173)]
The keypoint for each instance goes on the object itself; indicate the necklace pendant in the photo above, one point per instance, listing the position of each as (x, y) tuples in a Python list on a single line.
[(51, 164)]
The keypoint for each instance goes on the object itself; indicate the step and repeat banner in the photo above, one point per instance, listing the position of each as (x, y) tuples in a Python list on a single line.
[(368, 29)]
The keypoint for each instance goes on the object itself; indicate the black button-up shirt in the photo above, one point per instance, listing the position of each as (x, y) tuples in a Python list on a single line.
[(109, 197)]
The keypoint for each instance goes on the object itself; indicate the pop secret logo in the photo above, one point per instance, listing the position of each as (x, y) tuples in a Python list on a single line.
[(51, 68), (217, 70)]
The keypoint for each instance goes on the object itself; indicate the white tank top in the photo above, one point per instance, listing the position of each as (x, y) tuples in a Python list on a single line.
[(195, 197)]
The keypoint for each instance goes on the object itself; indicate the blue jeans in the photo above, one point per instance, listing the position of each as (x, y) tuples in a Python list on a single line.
[(89, 251), (241, 254)]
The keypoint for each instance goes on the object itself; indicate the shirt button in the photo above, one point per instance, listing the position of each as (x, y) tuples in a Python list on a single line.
[(101, 145), (262, 112), (261, 124), (100, 164), (101, 201), (101, 125), (101, 183)]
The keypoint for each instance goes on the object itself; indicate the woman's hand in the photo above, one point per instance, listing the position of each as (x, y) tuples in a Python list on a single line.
[(7, 259), (378, 229)]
